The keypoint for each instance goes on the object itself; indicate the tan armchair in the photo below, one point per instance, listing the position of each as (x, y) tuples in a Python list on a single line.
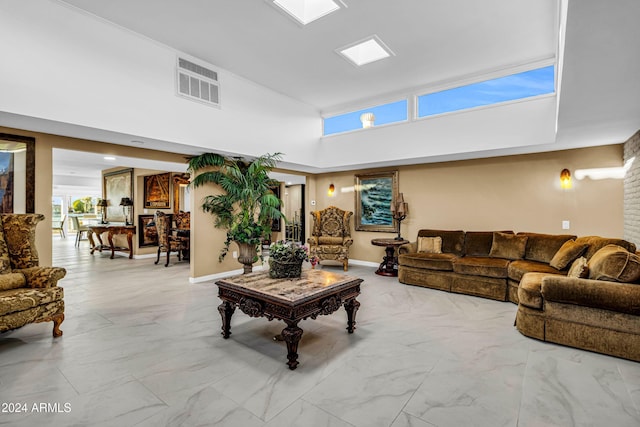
[(331, 235), (28, 293)]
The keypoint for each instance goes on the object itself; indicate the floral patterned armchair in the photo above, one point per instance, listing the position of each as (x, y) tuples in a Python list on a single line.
[(28, 293), (331, 235)]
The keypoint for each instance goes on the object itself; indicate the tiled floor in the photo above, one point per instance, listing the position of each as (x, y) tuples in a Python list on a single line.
[(142, 346)]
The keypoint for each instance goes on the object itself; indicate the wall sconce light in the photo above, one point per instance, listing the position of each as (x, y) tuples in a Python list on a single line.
[(367, 120), (331, 191), (565, 179)]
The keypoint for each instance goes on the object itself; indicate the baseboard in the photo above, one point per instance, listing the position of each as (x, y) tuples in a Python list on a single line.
[(364, 263), (143, 256)]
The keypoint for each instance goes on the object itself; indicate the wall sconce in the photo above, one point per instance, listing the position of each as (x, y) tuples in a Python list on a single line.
[(331, 191), (565, 179), (126, 204), (367, 120)]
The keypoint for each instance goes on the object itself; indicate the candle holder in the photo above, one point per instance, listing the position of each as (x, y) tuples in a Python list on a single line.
[(399, 211)]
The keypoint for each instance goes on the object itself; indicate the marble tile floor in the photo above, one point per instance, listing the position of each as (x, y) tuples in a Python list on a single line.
[(142, 347)]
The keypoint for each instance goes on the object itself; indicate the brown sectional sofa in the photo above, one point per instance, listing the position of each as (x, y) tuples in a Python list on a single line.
[(596, 315)]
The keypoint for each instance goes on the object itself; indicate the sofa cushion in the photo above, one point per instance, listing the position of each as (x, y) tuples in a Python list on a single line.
[(615, 263), (520, 267), (14, 300), (452, 240), (443, 262), (12, 281), (542, 247), (430, 245), (478, 243), (596, 243), (579, 268), (529, 291), (620, 297), (482, 266), (568, 252), (508, 246)]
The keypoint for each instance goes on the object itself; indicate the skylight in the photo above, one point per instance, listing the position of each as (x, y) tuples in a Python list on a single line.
[(364, 52), (306, 11)]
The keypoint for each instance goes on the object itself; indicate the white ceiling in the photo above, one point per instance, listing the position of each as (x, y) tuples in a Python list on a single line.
[(436, 43), (433, 41)]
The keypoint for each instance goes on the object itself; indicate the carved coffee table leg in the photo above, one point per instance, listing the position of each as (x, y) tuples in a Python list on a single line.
[(351, 306), (292, 334), (226, 310)]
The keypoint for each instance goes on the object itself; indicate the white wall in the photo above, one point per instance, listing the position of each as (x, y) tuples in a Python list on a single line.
[(62, 65), (520, 124)]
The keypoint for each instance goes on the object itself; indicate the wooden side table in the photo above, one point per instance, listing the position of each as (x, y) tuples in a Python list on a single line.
[(389, 265)]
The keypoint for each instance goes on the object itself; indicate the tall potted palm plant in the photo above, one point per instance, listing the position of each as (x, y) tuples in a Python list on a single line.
[(247, 206)]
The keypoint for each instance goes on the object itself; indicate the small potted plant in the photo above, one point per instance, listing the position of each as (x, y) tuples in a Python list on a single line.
[(286, 258)]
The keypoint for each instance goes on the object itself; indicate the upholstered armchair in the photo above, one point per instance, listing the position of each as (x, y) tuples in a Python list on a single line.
[(28, 293), (167, 241), (331, 235)]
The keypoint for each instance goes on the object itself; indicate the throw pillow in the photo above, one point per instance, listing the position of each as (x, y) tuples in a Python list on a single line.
[(579, 268), (568, 252), (615, 263), (430, 245), (509, 246)]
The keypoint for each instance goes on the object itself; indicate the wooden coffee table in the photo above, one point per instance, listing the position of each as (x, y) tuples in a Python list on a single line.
[(315, 293)]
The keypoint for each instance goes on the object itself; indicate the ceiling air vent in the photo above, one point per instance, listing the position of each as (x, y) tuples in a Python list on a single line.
[(198, 83)]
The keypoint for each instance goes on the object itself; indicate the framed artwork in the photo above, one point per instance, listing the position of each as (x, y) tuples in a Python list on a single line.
[(17, 174), (148, 234), (117, 185), (156, 191), (375, 192)]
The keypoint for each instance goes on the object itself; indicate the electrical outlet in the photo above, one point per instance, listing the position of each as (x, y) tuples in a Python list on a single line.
[(235, 254), (566, 224)]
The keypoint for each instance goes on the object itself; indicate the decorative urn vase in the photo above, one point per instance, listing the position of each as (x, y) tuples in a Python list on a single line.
[(247, 255)]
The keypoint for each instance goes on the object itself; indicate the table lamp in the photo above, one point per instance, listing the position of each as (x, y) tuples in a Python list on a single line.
[(126, 204)]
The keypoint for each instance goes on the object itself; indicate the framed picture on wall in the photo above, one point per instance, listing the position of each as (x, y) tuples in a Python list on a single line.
[(116, 186), (17, 174), (156, 191), (375, 192), (147, 232)]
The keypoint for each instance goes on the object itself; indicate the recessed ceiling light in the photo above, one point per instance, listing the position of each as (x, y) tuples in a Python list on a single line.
[(306, 11), (366, 51), (109, 158)]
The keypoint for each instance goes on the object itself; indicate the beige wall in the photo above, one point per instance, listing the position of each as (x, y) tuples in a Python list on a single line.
[(516, 192), (45, 143), (521, 193)]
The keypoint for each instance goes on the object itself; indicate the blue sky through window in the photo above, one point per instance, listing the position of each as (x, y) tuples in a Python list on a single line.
[(387, 113), (516, 86)]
